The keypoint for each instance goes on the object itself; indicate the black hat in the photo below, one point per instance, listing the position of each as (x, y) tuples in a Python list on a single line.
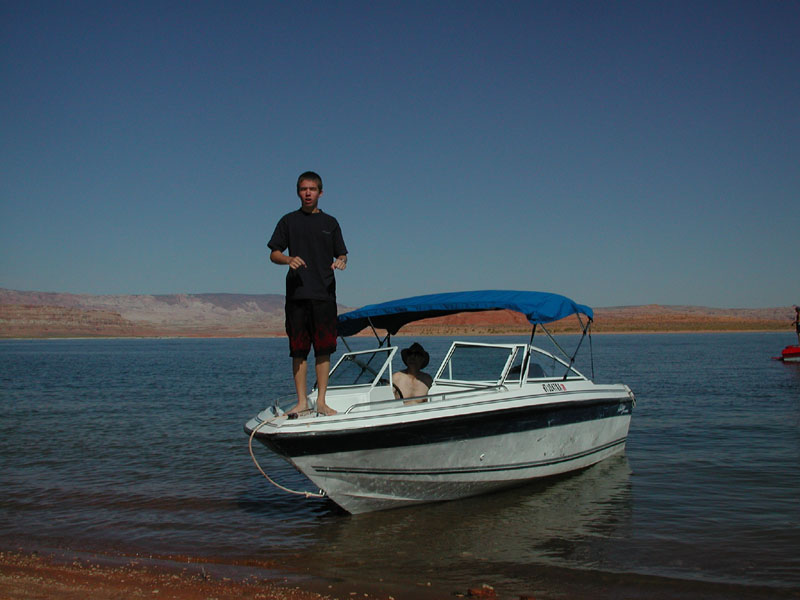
[(415, 348)]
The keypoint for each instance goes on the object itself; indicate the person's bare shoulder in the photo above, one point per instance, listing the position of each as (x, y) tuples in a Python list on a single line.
[(401, 384)]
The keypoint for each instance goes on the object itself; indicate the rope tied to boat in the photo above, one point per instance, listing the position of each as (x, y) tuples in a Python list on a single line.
[(319, 494)]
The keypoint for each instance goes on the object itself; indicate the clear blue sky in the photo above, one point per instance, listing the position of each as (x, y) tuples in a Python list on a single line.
[(615, 152)]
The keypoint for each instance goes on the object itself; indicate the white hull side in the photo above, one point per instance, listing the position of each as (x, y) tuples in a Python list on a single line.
[(364, 481)]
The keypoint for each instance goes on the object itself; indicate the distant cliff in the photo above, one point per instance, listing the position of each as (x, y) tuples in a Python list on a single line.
[(653, 318), (44, 314)]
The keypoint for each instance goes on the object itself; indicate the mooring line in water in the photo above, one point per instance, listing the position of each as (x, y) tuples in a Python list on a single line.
[(276, 484)]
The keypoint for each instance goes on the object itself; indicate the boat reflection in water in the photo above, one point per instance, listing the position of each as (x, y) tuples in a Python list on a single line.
[(515, 539)]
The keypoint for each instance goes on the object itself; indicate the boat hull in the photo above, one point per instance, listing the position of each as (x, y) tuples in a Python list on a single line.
[(790, 354), (456, 456)]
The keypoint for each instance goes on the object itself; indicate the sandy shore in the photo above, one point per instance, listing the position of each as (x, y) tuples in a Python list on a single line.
[(33, 576), (36, 576)]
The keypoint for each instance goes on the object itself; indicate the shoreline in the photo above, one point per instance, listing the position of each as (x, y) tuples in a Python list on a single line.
[(31, 575), (410, 334), (73, 574)]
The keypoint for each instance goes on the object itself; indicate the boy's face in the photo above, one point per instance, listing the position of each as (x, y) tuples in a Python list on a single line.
[(309, 194), (414, 359)]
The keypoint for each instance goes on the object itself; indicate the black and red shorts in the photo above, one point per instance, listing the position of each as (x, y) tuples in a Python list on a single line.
[(311, 322)]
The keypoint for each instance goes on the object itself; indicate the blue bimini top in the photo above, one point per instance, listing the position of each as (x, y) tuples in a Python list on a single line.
[(538, 307)]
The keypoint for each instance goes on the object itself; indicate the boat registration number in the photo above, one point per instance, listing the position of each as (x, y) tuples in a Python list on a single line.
[(554, 387)]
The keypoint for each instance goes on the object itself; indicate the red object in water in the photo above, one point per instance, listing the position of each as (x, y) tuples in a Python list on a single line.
[(790, 354)]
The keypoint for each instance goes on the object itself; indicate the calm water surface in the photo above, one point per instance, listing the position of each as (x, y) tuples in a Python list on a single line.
[(137, 446)]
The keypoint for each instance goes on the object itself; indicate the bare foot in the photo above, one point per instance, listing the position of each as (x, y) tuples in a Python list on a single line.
[(297, 409), (326, 410)]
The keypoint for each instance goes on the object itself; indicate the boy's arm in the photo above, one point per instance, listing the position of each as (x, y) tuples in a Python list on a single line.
[(279, 258)]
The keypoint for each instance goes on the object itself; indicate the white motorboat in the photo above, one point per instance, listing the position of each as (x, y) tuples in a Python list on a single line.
[(497, 414)]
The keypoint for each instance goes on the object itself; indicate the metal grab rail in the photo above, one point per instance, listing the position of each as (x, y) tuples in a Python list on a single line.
[(440, 397)]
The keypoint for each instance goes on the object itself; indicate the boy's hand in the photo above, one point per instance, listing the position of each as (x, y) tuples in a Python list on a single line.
[(295, 262)]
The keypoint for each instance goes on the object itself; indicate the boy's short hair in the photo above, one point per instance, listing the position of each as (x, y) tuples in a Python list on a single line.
[(310, 176)]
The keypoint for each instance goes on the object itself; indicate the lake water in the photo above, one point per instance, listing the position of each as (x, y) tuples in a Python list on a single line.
[(136, 446)]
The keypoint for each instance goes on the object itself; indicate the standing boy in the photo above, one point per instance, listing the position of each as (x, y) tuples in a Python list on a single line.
[(316, 248)]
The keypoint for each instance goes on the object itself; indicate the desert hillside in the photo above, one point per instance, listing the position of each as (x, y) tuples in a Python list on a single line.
[(44, 314), (619, 319)]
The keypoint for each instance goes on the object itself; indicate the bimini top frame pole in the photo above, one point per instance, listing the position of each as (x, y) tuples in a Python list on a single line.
[(585, 330), (381, 342)]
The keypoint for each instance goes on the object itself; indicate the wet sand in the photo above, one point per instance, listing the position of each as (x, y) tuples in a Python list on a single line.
[(71, 576), (35, 577), (75, 576)]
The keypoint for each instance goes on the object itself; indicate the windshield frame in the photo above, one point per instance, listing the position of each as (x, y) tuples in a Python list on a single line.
[(511, 349), (378, 371)]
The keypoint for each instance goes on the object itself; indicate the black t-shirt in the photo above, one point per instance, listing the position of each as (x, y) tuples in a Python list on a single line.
[(317, 239)]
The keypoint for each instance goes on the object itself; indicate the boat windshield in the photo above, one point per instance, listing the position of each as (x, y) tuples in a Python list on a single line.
[(482, 364), (476, 363), (361, 368), (543, 365)]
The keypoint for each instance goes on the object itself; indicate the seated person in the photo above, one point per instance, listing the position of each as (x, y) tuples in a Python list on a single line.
[(411, 382)]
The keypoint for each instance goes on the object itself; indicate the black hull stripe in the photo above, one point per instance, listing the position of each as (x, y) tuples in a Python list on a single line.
[(448, 429), (464, 470)]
